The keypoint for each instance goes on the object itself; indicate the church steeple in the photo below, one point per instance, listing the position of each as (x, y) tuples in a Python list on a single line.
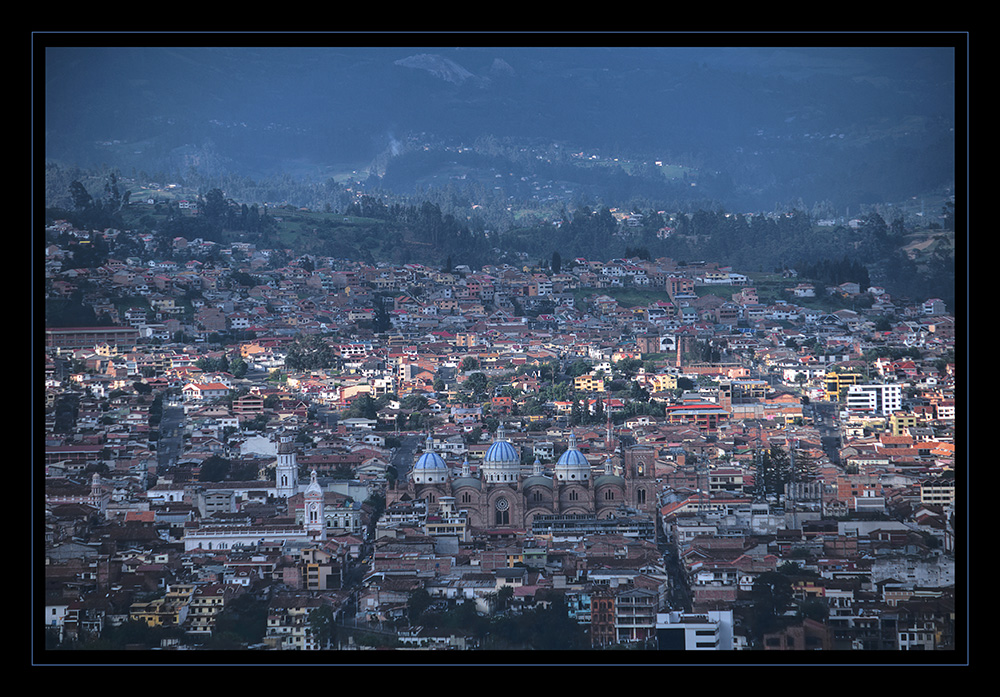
[(313, 516), (287, 469)]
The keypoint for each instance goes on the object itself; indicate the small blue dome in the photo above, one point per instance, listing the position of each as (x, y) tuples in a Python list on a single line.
[(429, 461), (572, 464)]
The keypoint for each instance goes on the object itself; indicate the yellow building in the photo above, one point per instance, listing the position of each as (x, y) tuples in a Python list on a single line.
[(168, 611), (833, 383), (662, 383), (939, 492), (588, 383), (900, 421), (207, 601)]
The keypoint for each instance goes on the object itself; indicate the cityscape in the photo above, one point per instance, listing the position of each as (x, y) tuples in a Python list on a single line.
[(250, 448)]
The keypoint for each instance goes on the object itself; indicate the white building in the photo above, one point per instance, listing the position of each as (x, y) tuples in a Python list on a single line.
[(707, 631), (875, 399)]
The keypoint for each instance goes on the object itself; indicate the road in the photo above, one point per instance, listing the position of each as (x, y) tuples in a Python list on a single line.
[(825, 419), (171, 442), (402, 457)]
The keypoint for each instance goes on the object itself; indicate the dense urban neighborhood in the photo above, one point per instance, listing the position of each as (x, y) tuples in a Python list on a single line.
[(247, 448)]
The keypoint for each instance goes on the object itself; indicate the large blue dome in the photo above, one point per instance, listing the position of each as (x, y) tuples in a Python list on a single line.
[(573, 457), (501, 463), (501, 451)]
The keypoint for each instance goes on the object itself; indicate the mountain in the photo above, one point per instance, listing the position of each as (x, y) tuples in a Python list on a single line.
[(852, 126)]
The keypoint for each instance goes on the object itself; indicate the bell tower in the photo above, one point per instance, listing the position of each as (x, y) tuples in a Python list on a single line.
[(287, 469), (314, 518), (640, 484)]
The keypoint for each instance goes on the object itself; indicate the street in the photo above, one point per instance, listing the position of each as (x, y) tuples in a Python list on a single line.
[(171, 443)]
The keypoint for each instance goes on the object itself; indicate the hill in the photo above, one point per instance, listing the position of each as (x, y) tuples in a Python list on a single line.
[(751, 127)]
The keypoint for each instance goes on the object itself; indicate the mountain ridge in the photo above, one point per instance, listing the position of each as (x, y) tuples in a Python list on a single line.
[(762, 118)]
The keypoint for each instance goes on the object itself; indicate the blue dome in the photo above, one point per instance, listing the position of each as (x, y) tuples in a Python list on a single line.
[(572, 464), (430, 460), (501, 451), (573, 457)]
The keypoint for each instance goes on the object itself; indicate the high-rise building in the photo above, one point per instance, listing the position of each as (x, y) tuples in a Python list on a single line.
[(875, 399)]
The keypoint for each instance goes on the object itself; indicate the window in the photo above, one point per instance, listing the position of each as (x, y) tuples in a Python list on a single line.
[(502, 511)]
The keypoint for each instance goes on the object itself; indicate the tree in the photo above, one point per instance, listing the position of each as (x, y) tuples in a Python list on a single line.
[(214, 469), (245, 618), (419, 601), (82, 200), (309, 352), (771, 595), (238, 367), (552, 629), (556, 262), (814, 609), (577, 368), (502, 598), (803, 466), (382, 322), (214, 205), (477, 384), (629, 366), (364, 406), (321, 626), (773, 472)]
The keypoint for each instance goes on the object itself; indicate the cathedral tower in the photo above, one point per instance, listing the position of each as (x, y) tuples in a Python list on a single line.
[(314, 517), (640, 483), (287, 469)]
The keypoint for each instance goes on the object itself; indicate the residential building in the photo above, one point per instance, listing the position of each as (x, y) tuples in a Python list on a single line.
[(708, 631), (875, 399), (834, 382)]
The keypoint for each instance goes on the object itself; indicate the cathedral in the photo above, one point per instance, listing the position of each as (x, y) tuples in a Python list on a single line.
[(504, 495)]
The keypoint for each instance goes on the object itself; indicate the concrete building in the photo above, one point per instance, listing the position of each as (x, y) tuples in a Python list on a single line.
[(708, 631)]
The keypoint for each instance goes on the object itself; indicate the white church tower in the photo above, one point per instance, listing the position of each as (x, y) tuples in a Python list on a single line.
[(287, 469), (314, 518)]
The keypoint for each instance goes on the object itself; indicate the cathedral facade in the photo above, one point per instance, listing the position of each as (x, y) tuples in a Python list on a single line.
[(503, 495)]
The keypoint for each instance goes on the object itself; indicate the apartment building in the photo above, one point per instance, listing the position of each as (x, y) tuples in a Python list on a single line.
[(708, 631), (875, 399)]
